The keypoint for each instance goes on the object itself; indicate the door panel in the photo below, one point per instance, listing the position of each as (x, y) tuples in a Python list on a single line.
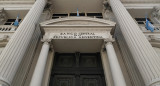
[(77, 69), (90, 80), (88, 61), (65, 61), (63, 80)]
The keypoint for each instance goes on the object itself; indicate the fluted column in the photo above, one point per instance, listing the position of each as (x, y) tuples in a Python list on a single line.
[(133, 72), (14, 51), (144, 55), (116, 71), (40, 66)]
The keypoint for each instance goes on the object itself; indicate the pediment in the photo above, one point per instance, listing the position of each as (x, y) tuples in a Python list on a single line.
[(77, 21)]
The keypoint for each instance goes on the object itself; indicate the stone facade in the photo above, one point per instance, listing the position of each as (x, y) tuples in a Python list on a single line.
[(129, 52)]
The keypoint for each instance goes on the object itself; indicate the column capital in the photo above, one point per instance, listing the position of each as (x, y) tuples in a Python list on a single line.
[(156, 12), (106, 5), (3, 15), (48, 10), (49, 42), (106, 41), (46, 40)]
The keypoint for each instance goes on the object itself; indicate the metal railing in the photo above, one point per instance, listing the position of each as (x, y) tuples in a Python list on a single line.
[(7, 28)]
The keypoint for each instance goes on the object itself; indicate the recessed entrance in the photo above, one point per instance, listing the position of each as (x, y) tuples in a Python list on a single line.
[(77, 69), (85, 35)]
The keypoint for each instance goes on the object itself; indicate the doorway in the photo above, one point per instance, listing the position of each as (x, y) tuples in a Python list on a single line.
[(77, 69)]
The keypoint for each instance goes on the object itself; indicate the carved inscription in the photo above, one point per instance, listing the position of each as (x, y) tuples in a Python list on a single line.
[(78, 35)]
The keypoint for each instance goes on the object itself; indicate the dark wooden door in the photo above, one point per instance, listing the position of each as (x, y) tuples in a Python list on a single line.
[(77, 69)]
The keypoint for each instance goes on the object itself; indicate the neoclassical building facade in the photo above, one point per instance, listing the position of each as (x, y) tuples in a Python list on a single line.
[(79, 43)]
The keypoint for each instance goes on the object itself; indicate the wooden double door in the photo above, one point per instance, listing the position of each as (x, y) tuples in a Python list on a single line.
[(77, 69)]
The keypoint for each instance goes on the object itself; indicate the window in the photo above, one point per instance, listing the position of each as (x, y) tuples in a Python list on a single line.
[(55, 16), (11, 21), (94, 15), (75, 14), (60, 14), (142, 20)]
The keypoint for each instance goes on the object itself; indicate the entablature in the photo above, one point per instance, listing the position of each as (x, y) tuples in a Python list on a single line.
[(83, 34), (77, 25)]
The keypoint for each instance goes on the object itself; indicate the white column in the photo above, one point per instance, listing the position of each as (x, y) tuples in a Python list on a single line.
[(106, 68), (116, 71), (40, 66), (14, 51), (143, 54)]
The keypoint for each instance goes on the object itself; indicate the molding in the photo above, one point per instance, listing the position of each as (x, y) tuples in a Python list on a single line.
[(77, 21), (16, 2), (140, 5)]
